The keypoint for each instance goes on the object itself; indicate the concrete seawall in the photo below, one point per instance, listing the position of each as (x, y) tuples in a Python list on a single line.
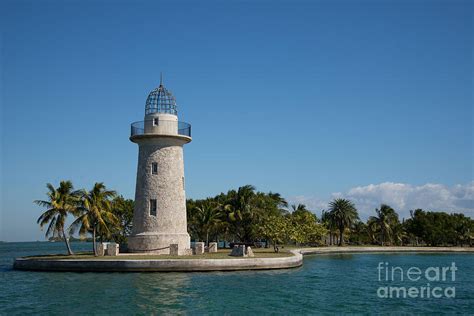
[(158, 265), (194, 265)]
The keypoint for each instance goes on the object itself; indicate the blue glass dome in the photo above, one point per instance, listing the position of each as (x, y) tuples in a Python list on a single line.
[(161, 100)]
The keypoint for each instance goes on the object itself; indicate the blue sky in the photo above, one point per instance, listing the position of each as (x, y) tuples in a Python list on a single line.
[(313, 99)]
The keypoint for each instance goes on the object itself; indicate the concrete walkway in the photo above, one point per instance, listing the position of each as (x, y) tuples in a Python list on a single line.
[(379, 249)]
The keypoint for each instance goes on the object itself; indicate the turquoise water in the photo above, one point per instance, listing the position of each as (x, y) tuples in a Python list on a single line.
[(325, 284)]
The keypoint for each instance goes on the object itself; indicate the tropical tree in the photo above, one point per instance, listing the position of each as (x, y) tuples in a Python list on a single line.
[(278, 201), (372, 230), (386, 221), (399, 235), (239, 214), (304, 227), (439, 228), (242, 212), (275, 229), (123, 210), (60, 203), (464, 228), (298, 208), (96, 214), (327, 222), (342, 214), (207, 217), (359, 233)]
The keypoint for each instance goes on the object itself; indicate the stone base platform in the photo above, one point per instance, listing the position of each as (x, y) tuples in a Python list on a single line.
[(158, 265)]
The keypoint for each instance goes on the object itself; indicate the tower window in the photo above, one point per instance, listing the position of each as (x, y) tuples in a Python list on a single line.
[(155, 121), (154, 168), (183, 182), (153, 207)]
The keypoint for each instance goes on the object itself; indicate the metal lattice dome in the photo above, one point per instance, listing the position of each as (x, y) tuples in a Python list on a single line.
[(161, 100)]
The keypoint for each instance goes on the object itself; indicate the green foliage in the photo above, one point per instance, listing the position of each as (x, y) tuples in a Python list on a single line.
[(123, 210), (384, 225), (342, 215), (246, 215), (237, 215), (206, 218), (439, 228), (422, 228), (60, 203), (275, 229), (304, 227), (359, 234), (96, 214), (330, 225)]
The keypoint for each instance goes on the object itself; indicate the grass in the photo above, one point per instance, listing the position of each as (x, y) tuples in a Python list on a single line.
[(220, 254)]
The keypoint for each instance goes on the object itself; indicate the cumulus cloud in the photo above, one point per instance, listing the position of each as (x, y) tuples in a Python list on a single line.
[(312, 203), (402, 197)]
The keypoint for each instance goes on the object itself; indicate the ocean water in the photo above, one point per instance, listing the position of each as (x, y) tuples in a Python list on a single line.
[(324, 284)]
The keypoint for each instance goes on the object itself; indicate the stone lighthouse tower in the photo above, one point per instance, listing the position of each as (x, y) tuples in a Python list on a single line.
[(159, 218)]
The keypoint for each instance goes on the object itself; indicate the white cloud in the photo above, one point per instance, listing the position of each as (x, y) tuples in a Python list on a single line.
[(312, 203), (402, 197)]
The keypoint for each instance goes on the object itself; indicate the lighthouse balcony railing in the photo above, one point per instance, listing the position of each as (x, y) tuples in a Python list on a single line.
[(138, 128)]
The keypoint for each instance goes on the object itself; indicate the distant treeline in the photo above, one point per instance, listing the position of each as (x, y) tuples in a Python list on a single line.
[(422, 228), (72, 238), (246, 215)]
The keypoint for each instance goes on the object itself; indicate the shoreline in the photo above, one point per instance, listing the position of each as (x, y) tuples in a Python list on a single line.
[(383, 249), (201, 265)]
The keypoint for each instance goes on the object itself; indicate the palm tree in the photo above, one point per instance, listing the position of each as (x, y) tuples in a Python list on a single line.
[(298, 208), (399, 234), (241, 212), (206, 218), (330, 225), (343, 214), (359, 232), (96, 213), (61, 202), (282, 204), (372, 228), (386, 220)]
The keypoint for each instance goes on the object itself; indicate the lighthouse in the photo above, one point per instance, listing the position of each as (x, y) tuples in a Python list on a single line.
[(159, 218)]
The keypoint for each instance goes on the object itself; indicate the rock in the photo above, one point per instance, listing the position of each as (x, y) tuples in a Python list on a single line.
[(101, 247), (198, 248), (238, 251), (112, 249), (174, 250), (212, 247), (249, 252)]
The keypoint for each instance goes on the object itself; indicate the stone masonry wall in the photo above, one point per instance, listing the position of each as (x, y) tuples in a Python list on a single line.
[(167, 187)]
